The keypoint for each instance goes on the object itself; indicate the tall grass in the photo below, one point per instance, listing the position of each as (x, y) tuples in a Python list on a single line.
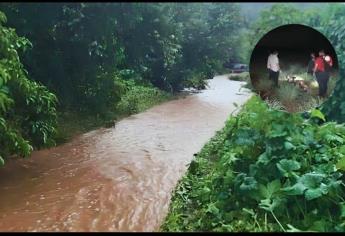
[(287, 94)]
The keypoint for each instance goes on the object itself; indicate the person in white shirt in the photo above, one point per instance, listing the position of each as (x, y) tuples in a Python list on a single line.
[(273, 67)]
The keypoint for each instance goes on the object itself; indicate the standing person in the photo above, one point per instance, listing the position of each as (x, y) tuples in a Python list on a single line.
[(273, 67), (322, 72)]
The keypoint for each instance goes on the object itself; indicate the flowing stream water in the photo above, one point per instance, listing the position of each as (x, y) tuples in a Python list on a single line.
[(119, 178)]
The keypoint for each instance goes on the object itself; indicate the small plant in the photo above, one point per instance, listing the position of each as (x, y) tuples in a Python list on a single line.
[(244, 76), (196, 80), (287, 95), (274, 104)]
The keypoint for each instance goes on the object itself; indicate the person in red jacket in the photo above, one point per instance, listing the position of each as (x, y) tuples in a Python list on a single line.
[(321, 70)]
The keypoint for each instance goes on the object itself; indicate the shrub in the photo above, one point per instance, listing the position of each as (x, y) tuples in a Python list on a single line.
[(138, 98), (265, 171), (195, 80), (27, 109), (244, 76), (102, 94)]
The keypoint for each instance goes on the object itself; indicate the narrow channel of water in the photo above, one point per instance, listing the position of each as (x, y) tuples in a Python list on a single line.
[(115, 179)]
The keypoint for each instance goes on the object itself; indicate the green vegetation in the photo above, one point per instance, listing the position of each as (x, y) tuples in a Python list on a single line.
[(102, 61), (325, 17), (66, 68), (287, 95), (244, 76), (269, 170), (297, 92), (265, 171), (196, 80), (27, 109), (138, 98)]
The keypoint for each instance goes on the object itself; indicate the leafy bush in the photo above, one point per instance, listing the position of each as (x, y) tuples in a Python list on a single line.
[(27, 109), (195, 80), (138, 98), (244, 76), (102, 94), (265, 171)]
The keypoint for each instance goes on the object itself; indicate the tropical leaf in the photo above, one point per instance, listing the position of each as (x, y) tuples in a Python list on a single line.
[(286, 167), (318, 114)]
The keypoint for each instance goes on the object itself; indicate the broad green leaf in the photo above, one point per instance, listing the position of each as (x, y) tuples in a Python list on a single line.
[(248, 184), (318, 114), (341, 164), (296, 189), (311, 180), (263, 158), (311, 194), (289, 146), (277, 131), (287, 166), (310, 185), (269, 190)]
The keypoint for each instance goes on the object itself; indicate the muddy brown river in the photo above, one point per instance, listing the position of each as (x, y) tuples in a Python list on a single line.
[(115, 179)]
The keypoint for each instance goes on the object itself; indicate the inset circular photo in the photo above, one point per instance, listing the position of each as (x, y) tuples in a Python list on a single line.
[(294, 68)]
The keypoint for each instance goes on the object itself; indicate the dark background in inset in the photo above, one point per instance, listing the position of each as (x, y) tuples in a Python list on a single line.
[(294, 43)]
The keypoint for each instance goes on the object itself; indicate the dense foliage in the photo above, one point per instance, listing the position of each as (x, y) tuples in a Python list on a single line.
[(269, 170), (27, 108), (282, 173), (138, 98), (328, 20), (80, 50), (102, 60)]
